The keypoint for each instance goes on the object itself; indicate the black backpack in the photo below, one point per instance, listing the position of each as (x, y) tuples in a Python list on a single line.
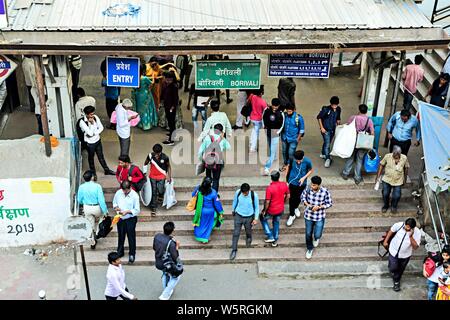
[(80, 132), (247, 108), (174, 268), (104, 227), (140, 184), (213, 154), (252, 193)]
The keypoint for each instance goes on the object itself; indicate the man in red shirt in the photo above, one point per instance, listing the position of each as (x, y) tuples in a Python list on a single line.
[(159, 172), (123, 170), (277, 194)]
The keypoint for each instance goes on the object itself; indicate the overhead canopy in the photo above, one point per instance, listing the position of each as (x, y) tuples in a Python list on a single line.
[(198, 26)]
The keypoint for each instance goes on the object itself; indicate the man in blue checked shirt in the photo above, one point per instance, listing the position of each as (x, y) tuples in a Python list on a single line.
[(90, 196), (246, 213), (400, 128), (126, 203), (316, 200)]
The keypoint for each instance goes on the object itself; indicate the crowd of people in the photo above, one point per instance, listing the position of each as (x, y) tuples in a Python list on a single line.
[(281, 120)]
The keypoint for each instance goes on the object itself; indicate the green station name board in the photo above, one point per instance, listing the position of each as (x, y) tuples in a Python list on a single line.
[(228, 74)]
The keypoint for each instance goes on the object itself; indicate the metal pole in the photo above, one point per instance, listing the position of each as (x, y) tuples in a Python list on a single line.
[(396, 90), (431, 212), (83, 261), (341, 57), (434, 10), (43, 106), (440, 218), (378, 87)]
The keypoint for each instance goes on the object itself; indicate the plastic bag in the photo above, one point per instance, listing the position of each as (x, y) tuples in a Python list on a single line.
[(345, 140), (371, 161), (169, 196), (133, 122)]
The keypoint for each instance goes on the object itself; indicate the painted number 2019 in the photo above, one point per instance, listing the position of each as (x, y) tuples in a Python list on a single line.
[(18, 229)]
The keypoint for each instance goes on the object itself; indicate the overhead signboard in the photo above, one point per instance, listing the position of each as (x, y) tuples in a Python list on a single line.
[(304, 65), (3, 14), (122, 72), (7, 66), (228, 74)]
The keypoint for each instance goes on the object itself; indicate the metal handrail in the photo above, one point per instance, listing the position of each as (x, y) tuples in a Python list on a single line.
[(437, 210), (79, 163), (439, 14)]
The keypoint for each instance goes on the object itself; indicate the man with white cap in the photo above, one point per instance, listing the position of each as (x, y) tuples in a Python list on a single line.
[(123, 126)]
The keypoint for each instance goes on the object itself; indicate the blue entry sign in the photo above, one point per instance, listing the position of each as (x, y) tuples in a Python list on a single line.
[(122, 72), (304, 65)]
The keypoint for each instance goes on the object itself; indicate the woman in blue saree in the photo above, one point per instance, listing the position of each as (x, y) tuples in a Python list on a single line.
[(208, 212)]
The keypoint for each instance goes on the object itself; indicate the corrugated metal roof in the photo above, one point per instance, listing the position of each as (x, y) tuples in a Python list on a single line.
[(166, 15)]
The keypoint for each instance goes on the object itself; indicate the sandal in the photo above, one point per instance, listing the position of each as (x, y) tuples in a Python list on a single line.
[(282, 169)]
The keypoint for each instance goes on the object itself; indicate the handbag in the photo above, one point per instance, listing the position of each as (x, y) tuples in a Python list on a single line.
[(174, 268), (247, 108), (104, 227), (200, 168), (192, 204), (364, 140)]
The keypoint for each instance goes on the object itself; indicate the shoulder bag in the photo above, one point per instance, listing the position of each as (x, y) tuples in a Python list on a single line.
[(174, 268), (364, 140)]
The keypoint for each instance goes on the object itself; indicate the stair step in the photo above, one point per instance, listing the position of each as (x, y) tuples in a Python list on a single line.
[(226, 197), (252, 255), (441, 54), (314, 269), (336, 225), (341, 210), (218, 241)]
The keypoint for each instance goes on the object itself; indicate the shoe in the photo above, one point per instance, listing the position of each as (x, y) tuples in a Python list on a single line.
[(168, 143), (396, 286), (316, 243), (322, 156), (131, 259), (153, 212), (248, 242), (120, 254), (384, 209), (162, 297), (235, 127), (233, 255), (297, 213), (229, 100), (266, 172), (269, 240), (290, 221), (357, 182), (274, 244), (168, 134), (327, 163), (344, 176), (94, 245), (109, 172), (309, 254), (394, 210)]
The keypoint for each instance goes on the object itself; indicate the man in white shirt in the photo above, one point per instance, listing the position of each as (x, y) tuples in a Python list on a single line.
[(215, 118), (92, 127), (126, 203), (123, 126), (115, 277), (29, 73), (407, 237), (82, 102)]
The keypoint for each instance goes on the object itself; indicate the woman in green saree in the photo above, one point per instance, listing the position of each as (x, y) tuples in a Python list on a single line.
[(143, 101)]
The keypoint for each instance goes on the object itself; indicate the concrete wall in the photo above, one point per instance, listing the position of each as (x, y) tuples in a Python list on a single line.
[(41, 185)]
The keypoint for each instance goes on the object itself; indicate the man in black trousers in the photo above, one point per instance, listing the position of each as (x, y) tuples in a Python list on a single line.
[(126, 203)]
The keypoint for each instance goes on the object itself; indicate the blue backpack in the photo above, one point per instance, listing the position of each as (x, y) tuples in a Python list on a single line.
[(371, 161)]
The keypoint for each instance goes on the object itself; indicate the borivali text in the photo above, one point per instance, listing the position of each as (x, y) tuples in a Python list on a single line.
[(226, 309)]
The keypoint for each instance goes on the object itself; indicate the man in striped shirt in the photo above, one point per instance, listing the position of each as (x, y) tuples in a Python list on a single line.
[(316, 199)]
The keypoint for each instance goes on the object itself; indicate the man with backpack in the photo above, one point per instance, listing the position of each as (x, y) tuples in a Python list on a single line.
[(273, 122), (92, 127), (129, 172), (363, 124), (166, 251), (400, 241), (299, 169), (245, 213), (211, 153), (329, 117), (293, 131), (159, 171)]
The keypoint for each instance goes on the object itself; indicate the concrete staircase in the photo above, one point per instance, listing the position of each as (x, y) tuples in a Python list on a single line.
[(432, 65), (354, 226)]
